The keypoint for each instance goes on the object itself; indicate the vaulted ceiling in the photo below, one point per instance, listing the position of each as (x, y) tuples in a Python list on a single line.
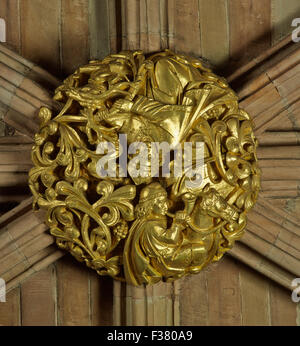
[(268, 88)]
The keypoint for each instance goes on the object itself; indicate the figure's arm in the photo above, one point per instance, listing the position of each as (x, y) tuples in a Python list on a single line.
[(173, 235), (149, 108)]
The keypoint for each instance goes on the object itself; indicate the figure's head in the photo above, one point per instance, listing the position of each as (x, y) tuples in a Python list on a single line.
[(153, 198), (160, 206), (120, 65)]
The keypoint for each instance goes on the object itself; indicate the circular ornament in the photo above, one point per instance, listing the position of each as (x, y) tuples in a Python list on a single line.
[(147, 167)]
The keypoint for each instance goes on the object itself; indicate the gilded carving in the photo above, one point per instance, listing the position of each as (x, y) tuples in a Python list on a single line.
[(150, 227)]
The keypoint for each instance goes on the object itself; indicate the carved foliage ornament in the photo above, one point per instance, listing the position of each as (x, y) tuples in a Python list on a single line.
[(152, 227)]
